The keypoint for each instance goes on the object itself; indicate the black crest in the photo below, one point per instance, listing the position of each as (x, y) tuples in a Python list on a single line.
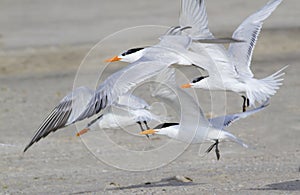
[(164, 125), (130, 51), (195, 80)]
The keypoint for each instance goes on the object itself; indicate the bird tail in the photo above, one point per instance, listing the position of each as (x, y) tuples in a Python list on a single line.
[(263, 89), (231, 137)]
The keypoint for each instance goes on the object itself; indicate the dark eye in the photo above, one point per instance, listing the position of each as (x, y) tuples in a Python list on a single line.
[(198, 79)]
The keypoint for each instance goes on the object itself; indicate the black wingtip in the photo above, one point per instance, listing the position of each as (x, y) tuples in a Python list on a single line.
[(27, 147)]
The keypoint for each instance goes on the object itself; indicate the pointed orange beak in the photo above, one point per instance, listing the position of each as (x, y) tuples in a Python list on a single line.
[(186, 86), (83, 131), (114, 59), (149, 131)]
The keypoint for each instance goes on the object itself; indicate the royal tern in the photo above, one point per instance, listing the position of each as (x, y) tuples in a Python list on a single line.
[(230, 70), (72, 105), (129, 110), (213, 127)]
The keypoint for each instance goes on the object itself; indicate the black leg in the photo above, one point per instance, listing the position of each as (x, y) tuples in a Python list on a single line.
[(140, 124), (217, 149), (146, 124), (216, 144), (248, 102), (142, 129), (210, 148), (244, 103)]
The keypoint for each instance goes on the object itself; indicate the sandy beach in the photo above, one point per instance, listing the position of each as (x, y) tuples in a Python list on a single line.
[(42, 50)]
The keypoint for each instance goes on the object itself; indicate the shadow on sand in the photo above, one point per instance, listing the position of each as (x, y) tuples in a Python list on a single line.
[(283, 186), (165, 182)]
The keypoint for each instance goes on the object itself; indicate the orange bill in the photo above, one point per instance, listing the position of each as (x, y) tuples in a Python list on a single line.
[(83, 131), (149, 131), (186, 86), (113, 59)]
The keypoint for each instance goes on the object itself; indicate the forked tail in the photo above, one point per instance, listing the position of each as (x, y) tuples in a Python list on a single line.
[(263, 89), (234, 139), (218, 134)]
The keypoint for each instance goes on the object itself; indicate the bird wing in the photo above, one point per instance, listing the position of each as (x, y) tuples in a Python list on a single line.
[(216, 61), (227, 120), (64, 114), (157, 58), (116, 85), (121, 82), (131, 101), (192, 119), (193, 14), (248, 31), (174, 42)]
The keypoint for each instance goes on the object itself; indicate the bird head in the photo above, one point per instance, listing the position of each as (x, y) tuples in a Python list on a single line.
[(129, 56)]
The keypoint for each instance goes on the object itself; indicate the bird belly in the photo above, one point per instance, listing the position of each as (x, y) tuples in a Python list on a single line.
[(115, 121)]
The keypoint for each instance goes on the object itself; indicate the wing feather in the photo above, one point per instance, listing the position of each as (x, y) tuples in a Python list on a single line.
[(224, 121), (248, 31), (121, 82), (193, 14), (64, 114)]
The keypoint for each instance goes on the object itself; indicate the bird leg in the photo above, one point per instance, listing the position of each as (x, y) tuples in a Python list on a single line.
[(142, 129), (245, 103), (217, 149), (146, 124), (216, 144)]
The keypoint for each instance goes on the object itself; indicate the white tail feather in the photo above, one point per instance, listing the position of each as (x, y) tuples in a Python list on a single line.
[(263, 89), (234, 139)]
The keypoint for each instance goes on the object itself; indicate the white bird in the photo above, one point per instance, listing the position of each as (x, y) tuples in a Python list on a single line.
[(135, 110), (206, 129), (129, 110), (230, 70)]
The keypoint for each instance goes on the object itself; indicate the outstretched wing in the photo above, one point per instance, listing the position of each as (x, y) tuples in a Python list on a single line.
[(64, 114), (131, 101), (249, 31), (120, 83), (227, 120), (193, 14), (116, 85), (156, 59)]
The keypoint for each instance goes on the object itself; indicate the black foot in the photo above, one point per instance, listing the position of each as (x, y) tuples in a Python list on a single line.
[(216, 144)]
